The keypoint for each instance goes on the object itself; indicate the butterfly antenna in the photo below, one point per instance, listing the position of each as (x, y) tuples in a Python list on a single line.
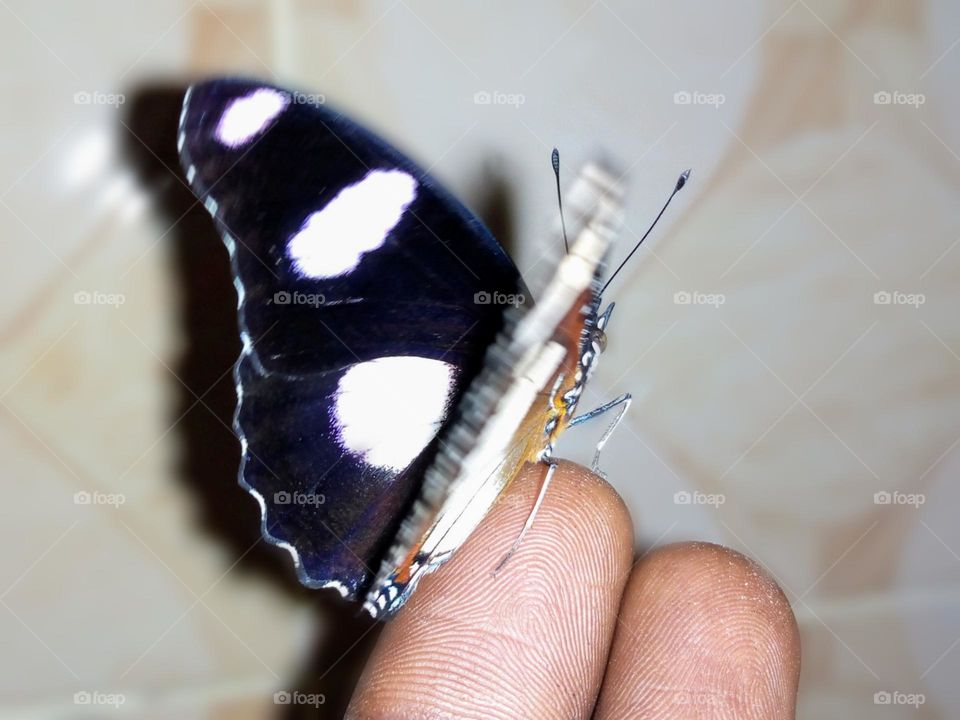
[(681, 181), (555, 161)]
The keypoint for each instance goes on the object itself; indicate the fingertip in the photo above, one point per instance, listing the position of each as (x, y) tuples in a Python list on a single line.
[(531, 641), (591, 505), (740, 584), (704, 631)]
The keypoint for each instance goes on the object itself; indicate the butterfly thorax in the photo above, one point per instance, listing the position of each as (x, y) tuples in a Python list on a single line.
[(583, 333)]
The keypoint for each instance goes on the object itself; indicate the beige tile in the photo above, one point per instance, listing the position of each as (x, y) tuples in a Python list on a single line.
[(231, 39)]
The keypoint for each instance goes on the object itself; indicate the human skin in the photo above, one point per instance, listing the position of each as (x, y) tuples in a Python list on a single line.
[(574, 626)]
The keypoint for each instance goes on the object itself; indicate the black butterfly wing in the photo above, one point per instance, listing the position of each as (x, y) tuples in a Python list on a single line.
[(364, 307)]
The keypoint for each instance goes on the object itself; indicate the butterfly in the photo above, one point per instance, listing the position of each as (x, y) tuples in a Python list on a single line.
[(395, 375)]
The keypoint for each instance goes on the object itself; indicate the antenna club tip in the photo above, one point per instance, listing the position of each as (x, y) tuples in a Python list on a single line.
[(555, 159), (682, 180)]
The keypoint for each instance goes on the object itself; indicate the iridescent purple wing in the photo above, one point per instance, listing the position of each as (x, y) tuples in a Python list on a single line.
[(364, 308)]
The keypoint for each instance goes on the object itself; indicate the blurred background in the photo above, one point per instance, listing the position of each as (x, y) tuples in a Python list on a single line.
[(791, 330)]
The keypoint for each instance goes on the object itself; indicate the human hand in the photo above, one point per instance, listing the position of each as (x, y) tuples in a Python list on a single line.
[(573, 627)]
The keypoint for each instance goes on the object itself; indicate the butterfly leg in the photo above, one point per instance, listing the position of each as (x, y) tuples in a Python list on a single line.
[(551, 469), (623, 402)]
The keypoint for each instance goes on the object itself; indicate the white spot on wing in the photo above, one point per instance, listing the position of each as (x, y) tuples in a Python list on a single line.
[(246, 117), (358, 220), (389, 409), (338, 586)]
